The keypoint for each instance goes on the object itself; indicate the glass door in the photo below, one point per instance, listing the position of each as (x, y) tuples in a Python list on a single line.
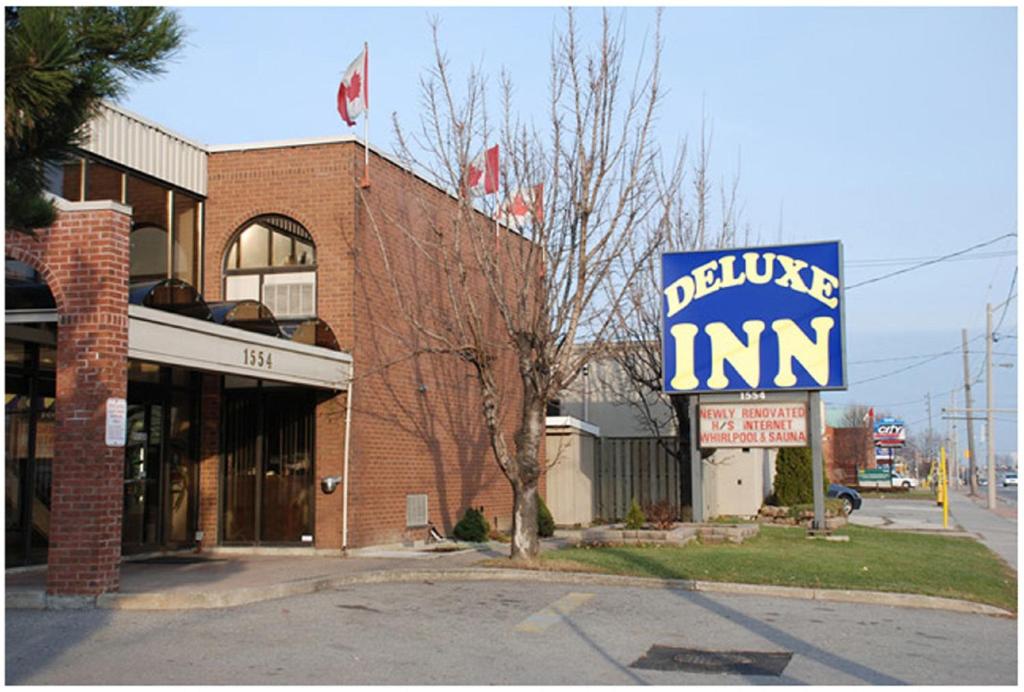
[(160, 454), (143, 451), (268, 463), (29, 421)]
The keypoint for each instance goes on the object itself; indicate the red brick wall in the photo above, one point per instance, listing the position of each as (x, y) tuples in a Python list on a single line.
[(310, 185), (330, 461), (408, 441), (84, 259), (403, 441), (846, 450), (209, 458)]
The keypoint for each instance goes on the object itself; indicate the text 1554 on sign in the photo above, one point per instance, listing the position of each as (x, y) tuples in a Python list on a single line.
[(258, 358)]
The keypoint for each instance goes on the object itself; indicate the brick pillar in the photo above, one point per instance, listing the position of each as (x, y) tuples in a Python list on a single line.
[(84, 258), (209, 459), (330, 461)]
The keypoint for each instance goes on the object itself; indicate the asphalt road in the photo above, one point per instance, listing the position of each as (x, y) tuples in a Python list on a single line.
[(505, 633), (1007, 495)]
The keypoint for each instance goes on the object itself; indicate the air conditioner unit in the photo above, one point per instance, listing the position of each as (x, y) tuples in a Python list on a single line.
[(290, 295)]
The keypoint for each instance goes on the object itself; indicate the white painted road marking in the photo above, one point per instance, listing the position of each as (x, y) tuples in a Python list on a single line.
[(542, 619)]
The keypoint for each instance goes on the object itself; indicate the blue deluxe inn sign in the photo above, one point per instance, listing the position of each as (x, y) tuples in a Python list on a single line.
[(761, 319)]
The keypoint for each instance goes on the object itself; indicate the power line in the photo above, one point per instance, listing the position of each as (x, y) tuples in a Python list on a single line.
[(909, 367), (900, 403), (1006, 303), (936, 260), (886, 360), (924, 355), (896, 261)]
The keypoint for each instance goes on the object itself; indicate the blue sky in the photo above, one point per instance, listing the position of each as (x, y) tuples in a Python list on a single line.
[(893, 130)]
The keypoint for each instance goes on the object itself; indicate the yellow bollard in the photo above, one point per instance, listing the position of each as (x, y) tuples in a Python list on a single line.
[(945, 487)]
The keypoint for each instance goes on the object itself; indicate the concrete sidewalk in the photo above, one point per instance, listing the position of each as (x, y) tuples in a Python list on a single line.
[(996, 529), (226, 578), (222, 579), (238, 580)]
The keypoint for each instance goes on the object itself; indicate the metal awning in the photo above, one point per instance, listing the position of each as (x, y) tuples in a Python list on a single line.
[(165, 337)]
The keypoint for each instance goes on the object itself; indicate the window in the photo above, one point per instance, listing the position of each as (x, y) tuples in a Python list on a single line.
[(148, 253), (156, 207), (272, 259)]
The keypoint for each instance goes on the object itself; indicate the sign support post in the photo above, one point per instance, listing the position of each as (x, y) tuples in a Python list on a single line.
[(696, 464), (817, 459)]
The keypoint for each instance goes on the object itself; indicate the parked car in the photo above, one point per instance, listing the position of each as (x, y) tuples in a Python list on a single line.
[(1009, 479), (850, 497), (901, 481)]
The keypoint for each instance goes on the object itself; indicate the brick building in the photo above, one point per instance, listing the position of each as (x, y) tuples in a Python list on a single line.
[(194, 342), (846, 451)]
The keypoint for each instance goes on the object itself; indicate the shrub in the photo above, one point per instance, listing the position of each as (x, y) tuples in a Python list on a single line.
[(794, 482), (661, 514), (635, 519), (545, 522), (473, 526)]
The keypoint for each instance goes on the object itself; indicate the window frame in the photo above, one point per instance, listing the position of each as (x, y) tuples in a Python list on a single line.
[(234, 245)]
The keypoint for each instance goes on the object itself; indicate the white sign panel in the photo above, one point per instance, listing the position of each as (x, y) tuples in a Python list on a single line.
[(117, 415), (753, 425)]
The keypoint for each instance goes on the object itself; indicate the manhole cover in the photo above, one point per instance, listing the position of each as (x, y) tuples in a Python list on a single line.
[(174, 560), (701, 661)]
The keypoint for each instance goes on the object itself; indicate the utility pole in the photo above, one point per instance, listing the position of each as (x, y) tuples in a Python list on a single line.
[(971, 470), (931, 433), (990, 437), (954, 452)]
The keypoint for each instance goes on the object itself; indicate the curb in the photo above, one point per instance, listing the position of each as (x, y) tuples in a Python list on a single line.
[(229, 599)]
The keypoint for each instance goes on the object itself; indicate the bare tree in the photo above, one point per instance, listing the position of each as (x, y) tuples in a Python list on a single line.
[(516, 304), (855, 416), (637, 328)]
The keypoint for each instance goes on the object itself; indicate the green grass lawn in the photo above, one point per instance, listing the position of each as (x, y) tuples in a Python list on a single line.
[(873, 559)]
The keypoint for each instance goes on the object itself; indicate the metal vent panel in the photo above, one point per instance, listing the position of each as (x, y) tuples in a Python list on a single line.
[(415, 510)]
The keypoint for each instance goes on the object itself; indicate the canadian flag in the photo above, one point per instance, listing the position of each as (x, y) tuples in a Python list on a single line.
[(870, 415), (354, 90), (482, 175), (526, 205)]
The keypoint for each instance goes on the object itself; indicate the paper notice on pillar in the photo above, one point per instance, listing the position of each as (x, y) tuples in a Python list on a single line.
[(117, 414), (753, 425)]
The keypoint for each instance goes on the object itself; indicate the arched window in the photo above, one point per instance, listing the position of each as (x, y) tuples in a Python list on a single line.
[(272, 259)]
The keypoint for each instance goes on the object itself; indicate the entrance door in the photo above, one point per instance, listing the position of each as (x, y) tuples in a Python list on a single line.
[(29, 423), (159, 467), (268, 463), (143, 451)]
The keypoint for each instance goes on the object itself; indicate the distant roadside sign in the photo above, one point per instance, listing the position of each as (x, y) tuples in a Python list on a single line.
[(890, 432)]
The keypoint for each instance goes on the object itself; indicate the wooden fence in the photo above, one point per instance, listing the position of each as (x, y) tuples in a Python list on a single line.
[(627, 468)]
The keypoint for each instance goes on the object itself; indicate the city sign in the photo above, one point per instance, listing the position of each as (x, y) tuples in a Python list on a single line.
[(764, 318), (889, 432)]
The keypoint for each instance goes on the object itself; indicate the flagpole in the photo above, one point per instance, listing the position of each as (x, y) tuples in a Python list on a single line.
[(365, 182)]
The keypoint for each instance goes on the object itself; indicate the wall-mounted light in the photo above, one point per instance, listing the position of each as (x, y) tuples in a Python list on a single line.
[(329, 484), (422, 388)]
